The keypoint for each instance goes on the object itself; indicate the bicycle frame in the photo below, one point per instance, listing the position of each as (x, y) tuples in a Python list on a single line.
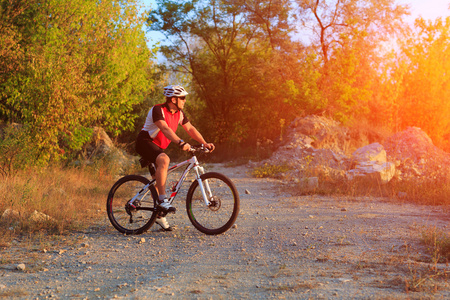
[(191, 163)]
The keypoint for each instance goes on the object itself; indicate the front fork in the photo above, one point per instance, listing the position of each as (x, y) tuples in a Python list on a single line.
[(205, 189)]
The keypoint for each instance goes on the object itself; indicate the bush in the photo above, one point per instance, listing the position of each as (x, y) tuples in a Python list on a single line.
[(16, 148)]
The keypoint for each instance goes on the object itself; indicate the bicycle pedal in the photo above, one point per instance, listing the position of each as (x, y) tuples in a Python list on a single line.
[(162, 214)]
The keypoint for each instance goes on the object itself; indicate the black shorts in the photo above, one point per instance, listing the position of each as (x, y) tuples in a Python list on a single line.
[(146, 148)]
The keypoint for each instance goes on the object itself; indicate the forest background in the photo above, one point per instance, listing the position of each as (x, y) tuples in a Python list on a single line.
[(69, 66)]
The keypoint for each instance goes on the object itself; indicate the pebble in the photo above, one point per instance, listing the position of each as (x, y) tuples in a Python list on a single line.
[(21, 267)]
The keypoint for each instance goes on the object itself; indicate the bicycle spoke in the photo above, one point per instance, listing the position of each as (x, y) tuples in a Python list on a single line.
[(124, 217), (220, 215)]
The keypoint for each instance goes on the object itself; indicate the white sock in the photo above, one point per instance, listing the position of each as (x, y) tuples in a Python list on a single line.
[(162, 197)]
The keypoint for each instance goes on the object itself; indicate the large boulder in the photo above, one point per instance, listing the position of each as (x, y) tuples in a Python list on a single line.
[(373, 152), (416, 156), (100, 144), (102, 147), (318, 147), (318, 132), (371, 165)]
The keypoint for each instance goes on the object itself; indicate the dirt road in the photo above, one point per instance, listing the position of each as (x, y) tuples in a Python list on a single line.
[(282, 247)]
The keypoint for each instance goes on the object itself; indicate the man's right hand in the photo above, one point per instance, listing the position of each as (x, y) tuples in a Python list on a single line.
[(186, 147)]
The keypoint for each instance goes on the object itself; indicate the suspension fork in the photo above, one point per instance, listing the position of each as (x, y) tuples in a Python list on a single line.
[(205, 189)]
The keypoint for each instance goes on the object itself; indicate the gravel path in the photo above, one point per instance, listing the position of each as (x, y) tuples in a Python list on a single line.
[(282, 247)]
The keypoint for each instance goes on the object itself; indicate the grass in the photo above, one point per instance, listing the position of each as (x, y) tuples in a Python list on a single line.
[(424, 191), (437, 242), (72, 198), (268, 170)]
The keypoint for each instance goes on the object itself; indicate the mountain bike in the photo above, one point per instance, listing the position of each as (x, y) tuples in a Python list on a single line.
[(212, 201)]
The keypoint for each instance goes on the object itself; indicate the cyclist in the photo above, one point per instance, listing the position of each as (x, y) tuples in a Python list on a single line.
[(159, 130)]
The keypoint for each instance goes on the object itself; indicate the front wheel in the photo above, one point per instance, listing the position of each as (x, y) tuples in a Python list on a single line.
[(221, 213), (130, 219)]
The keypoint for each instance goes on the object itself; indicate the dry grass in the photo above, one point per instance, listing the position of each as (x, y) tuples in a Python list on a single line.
[(438, 244), (424, 191), (72, 198)]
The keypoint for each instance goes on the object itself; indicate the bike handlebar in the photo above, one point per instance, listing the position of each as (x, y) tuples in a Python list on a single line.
[(197, 148)]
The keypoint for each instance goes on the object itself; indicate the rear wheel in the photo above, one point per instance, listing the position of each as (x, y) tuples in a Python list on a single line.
[(223, 210), (127, 218)]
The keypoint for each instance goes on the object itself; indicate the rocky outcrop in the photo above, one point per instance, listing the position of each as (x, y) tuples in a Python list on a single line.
[(102, 147), (315, 147), (415, 155)]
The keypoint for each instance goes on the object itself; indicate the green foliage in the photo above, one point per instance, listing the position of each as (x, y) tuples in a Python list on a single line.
[(230, 49), (17, 149), (82, 63), (245, 67)]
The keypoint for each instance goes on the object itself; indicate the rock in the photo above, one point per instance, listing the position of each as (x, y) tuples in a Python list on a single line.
[(371, 164), (373, 152), (10, 214), (39, 217), (100, 143), (247, 192), (378, 173), (21, 267), (318, 132), (315, 146), (417, 154)]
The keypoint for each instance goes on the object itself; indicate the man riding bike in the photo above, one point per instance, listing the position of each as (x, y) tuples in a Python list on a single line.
[(158, 131)]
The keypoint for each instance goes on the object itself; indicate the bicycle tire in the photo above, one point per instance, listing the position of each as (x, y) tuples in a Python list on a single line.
[(224, 209), (126, 220)]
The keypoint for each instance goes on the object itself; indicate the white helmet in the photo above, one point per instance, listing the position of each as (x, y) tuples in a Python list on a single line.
[(174, 91)]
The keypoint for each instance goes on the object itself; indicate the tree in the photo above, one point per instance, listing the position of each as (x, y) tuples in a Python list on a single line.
[(347, 35), (234, 51), (424, 99), (83, 63)]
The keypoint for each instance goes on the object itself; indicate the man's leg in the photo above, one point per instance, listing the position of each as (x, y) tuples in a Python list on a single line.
[(162, 165)]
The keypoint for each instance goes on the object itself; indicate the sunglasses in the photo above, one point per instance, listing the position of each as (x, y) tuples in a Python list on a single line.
[(182, 98)]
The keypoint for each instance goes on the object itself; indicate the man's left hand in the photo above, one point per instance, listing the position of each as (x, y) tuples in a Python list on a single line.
[(210, 146)]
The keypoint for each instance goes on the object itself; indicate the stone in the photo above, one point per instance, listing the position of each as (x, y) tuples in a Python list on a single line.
[(373, 152), (21, 267), (39, 217), (371, 164), (10, 214), (382, 173)]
